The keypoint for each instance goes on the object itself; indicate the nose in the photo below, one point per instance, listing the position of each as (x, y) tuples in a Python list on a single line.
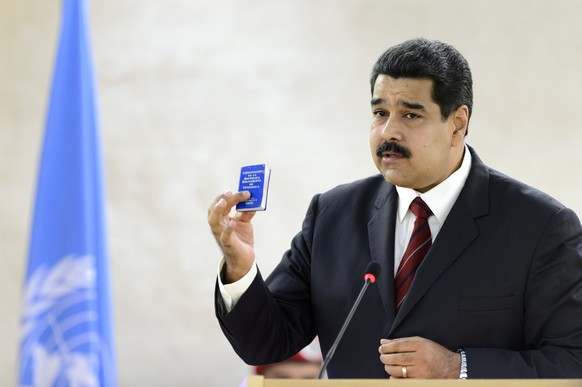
[(391, 130)]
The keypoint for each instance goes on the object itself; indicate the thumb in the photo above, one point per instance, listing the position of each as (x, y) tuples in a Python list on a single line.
[(245, 216)]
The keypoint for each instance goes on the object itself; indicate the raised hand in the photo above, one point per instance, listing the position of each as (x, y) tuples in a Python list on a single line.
[(234, 235)]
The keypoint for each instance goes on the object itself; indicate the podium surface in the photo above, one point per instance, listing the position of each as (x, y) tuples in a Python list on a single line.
[(260, 381)]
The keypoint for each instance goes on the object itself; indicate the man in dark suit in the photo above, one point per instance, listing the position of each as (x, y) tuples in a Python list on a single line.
[(481, 274)]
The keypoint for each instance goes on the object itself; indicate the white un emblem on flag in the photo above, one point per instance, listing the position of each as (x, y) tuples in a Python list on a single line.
[(60, 337)]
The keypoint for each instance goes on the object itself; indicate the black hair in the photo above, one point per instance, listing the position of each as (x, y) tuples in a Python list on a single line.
[(430, 59)]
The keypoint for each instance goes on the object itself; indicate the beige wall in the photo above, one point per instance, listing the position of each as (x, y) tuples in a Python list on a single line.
[(192, 89)]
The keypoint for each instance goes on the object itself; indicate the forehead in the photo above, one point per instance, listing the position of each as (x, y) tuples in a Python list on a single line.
[(392, 90)]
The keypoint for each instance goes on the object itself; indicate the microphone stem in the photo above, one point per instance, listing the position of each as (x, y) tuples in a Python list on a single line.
[(344, 327)]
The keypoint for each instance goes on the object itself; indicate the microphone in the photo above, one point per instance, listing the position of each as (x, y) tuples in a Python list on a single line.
[(372, 270)]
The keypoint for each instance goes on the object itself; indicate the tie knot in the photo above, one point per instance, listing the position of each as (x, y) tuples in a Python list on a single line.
[(420, 209)]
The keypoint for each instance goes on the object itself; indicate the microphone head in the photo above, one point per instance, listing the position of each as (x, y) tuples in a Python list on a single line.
[(372, 271)]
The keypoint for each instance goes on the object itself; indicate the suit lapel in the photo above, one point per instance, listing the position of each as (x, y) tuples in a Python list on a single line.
[(458, 231), (381, 239)]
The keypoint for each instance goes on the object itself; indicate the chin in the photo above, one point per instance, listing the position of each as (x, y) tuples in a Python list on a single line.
[(397, 179), (394, 180)]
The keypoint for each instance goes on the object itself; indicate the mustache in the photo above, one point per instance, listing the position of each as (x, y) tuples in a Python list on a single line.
[(393, 147)]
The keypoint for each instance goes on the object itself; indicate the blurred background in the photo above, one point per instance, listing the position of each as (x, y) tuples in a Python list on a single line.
[(191, 90)]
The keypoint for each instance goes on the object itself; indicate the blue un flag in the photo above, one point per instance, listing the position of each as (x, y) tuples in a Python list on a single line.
[(66, 326)]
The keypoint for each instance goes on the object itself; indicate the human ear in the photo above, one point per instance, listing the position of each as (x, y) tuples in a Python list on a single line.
[(460, 120)]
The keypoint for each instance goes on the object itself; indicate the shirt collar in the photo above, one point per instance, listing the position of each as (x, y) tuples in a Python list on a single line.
[(440, 198)]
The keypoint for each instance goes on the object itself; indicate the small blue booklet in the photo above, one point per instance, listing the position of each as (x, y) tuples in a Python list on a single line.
[(255, 179)]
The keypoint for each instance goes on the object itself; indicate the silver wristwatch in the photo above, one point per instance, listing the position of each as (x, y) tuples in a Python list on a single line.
[(463, 375)]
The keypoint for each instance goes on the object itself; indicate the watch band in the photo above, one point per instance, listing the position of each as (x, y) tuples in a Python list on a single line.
[(463, 375)]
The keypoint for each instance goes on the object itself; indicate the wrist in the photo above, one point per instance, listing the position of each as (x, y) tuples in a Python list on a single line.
[(230, 273)]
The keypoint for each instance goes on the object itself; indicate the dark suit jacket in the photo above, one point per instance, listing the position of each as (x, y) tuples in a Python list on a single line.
[(503, 281)]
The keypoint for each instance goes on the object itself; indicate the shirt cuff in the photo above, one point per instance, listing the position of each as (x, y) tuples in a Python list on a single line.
[(231, 293)]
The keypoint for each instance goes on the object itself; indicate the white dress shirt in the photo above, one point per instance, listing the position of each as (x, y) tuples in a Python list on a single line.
[(440, 199)]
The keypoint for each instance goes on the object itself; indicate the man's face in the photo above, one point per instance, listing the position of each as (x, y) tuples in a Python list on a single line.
[(421, 150)]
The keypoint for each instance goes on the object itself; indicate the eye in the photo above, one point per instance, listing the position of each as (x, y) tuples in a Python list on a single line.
[(379, 113), (411, 116)]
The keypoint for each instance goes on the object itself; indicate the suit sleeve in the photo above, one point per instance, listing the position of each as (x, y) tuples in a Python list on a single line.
[(553, 312), (273, 320)]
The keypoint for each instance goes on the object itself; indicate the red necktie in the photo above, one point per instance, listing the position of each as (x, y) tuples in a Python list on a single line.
[(418, 246)]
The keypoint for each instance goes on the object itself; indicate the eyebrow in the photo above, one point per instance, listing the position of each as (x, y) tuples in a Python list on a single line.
[(406, 104)]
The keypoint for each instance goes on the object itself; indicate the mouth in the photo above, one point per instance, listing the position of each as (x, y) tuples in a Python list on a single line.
[(391, 155), (390, 151)]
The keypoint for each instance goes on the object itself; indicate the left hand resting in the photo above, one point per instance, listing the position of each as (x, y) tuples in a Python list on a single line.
[(417, 357)]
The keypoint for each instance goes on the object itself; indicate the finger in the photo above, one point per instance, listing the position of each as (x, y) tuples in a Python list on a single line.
[(222, 203), (397, 371), (241, 196), (245, 216), (219, 216), (406, 344), (230, 200), (404, 358), (216, 213), (214, 203), (225, 235)]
